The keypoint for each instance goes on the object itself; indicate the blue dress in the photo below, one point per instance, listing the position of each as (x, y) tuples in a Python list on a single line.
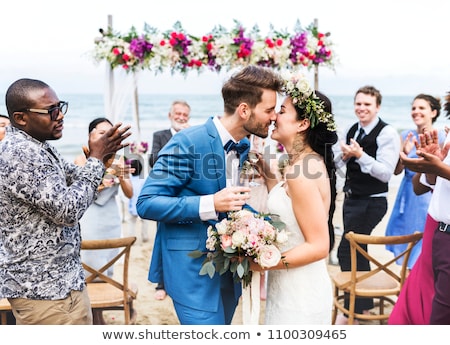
[(410, 210), (101, 221)]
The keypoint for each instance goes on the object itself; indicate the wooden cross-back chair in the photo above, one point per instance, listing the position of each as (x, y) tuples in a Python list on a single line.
[(383, 282), (111, 293)]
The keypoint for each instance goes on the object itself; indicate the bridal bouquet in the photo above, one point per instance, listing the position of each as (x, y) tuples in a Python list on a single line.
[(244, 236), (109, 179), (117, 169)]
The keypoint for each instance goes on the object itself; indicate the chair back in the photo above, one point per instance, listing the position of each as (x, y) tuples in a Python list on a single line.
[(377, 266), (111, 293), (383, 282)]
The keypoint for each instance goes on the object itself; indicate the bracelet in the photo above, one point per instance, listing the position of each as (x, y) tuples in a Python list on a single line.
[(285, 263)]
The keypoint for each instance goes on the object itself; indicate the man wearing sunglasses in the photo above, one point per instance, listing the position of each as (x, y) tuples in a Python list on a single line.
[(42, 198)]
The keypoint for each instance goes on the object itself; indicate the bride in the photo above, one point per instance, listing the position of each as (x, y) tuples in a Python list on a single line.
[(299, 290)]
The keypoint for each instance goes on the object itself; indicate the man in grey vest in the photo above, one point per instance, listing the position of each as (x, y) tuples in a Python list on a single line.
[(370, 152)]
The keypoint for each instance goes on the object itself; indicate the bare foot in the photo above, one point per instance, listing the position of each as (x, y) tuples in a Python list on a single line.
[(133, 316), (160, 294), (144, 236), (343, 320)]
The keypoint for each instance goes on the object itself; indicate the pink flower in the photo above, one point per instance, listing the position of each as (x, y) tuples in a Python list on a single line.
[(226, 241)]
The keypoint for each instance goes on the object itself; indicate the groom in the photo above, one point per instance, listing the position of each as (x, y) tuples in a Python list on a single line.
[(188, 189)]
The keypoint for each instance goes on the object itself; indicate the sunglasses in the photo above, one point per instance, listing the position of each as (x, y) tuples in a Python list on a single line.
[(53, 111)]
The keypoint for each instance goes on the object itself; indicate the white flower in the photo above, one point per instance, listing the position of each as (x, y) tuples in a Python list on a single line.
[(269, 256), (238, 239), (282, 237), (303, 86), (222, 227), (211, 243)]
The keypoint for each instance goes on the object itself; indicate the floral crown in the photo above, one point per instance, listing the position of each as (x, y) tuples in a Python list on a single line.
[(303, 97)]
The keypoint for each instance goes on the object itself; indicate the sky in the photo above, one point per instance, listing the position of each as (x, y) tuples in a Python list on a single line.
[(399, 46)]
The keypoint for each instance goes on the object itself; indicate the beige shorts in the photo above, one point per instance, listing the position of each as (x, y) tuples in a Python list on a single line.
[(73, 310)]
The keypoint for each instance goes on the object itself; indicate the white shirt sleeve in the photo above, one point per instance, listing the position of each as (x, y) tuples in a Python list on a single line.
[(207, 211), (388, 153)]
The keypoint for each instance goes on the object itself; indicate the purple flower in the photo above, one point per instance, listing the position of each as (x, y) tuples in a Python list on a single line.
[(139, 47), (245, 44), (299, 46), (280, 147)]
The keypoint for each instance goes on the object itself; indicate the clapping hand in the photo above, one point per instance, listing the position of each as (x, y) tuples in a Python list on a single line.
[(105, 147), (429, 152), (351, 150), (121, 169), (409, 143), (429, 143)]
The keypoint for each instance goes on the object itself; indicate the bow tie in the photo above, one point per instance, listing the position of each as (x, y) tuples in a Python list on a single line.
[(239, 147)]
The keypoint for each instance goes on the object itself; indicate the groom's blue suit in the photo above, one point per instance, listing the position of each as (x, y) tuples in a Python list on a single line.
[(190, 165)]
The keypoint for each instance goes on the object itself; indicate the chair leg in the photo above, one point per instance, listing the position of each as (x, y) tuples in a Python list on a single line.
[(381, 309), (126, 310), (3, 318), (335, 309), (351, 309)]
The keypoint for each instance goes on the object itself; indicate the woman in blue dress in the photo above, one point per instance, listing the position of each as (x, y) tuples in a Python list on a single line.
[(102, 220), (410, 210)]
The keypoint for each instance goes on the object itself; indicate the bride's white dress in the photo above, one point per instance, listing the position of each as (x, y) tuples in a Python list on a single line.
[(301, 295)]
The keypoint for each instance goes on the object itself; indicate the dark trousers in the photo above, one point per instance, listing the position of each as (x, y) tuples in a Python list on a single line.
[(440, 309), (360, 216)]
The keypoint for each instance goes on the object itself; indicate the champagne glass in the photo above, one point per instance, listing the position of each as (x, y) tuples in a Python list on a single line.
[(256, 148), (253, 159)]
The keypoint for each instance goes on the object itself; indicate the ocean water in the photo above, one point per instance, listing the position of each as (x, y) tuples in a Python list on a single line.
[(153, 110)]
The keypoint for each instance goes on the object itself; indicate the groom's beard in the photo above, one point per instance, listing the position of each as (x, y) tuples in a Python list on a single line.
[(257, 128)]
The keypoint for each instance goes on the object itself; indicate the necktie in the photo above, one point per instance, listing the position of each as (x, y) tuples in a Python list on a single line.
[(361, 135), (238, 147)]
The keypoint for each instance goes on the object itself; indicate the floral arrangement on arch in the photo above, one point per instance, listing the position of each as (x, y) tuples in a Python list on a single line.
[(243, 236), (219, 49)]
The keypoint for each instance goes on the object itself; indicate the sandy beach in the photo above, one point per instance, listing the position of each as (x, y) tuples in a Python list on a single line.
[(155, 312)]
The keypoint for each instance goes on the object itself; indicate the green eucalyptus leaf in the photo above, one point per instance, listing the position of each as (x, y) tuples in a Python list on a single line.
[(208, 268), (230, 250), (240, 270), (196, 254)]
